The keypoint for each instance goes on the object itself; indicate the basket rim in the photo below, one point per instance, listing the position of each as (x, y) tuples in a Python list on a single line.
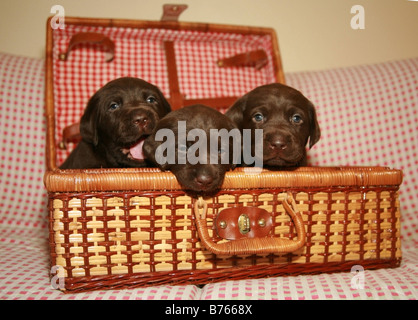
[(153, 179)]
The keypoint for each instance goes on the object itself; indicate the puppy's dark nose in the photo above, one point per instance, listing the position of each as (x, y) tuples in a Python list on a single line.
[(204, 180), (141, 120), (278, 144)]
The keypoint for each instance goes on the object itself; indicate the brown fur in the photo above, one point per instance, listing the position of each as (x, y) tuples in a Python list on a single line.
[(288, 120), (118, 116), (196, 178)]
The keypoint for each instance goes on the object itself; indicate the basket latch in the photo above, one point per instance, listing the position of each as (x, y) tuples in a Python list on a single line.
[(171, 12), (257, 245), (243, 222)]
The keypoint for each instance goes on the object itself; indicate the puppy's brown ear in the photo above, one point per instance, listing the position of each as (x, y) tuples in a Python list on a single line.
[(166, 106), (236, 111), (89, 121), (314, 130)]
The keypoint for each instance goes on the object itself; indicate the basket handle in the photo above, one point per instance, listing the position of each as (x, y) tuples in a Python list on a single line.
[(247, 246)]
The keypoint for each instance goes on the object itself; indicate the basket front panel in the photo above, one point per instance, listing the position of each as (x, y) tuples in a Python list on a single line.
[(149, 233)]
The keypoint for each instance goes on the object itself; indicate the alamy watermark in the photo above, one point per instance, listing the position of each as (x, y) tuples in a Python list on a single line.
[(219, 146), (357, 281), (358, 21), (58, 279), (58, 20)]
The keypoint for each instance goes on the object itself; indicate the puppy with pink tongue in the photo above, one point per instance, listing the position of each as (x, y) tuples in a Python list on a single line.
[(115, 123)]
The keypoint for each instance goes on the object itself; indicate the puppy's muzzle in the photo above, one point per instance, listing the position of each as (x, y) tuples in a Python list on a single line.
[(278, 142), (204, 180)]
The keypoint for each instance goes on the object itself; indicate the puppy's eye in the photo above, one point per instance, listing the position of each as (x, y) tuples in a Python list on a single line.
[(296, 119), (151, 99), (258, 117), (114, 106)]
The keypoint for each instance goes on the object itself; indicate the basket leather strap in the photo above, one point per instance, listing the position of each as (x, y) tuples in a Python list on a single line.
[(176, 98), (70, 134), (256, 58), (92, 38), (247, 246), (171, 12)]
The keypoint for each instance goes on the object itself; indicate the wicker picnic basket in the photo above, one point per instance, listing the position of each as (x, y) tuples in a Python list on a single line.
[(118, 228)]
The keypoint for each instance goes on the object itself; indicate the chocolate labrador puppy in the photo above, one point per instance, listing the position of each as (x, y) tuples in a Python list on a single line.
[(194, 143), (117, 119), (287, 118)]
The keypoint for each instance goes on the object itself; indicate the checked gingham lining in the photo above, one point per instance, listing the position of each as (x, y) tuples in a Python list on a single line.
[(140, 53)]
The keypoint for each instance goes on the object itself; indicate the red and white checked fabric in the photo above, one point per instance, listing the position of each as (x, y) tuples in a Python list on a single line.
[(140, 53), (22, 142), (357, 108)]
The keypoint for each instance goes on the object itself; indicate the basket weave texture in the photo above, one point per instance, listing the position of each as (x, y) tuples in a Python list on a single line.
[(150, 235)]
